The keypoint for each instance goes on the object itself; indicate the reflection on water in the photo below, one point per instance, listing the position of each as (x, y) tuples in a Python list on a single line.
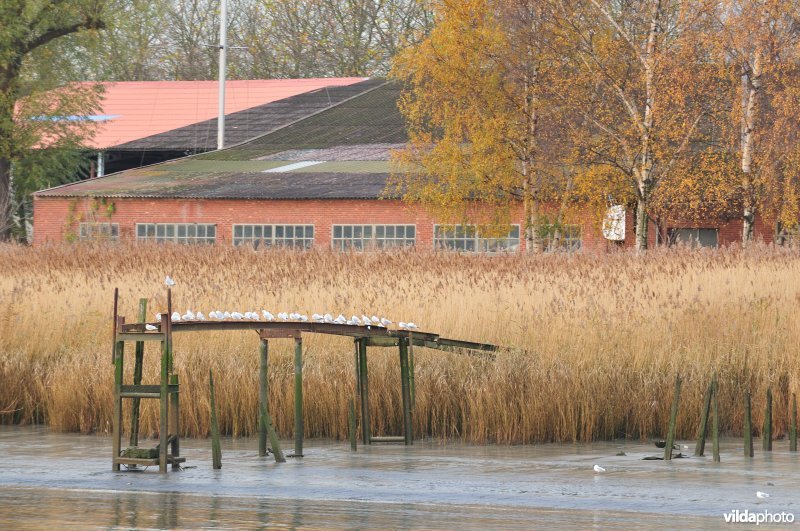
[(54, 480)]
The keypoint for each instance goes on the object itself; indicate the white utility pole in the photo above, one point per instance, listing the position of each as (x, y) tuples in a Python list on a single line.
[(223, 53)]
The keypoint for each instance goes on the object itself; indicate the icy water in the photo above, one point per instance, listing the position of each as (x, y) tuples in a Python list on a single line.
[(65, 481)]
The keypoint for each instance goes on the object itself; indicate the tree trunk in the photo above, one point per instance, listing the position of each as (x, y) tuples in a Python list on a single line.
[(5, 199), (751, 90), (641, 224), (530, 181)]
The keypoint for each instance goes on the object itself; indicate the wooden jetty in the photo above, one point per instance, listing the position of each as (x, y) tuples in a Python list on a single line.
[(167, 391)]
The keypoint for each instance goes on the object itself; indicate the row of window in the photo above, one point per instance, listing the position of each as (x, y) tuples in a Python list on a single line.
[(343, 237)]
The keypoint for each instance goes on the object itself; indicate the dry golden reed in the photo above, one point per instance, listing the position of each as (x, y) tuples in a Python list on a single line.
[(595, 340)]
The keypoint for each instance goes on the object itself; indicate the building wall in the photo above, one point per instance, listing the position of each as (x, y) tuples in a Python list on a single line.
[(57, 219)]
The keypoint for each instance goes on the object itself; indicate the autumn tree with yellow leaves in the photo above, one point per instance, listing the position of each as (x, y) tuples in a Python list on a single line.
[(484, 134)]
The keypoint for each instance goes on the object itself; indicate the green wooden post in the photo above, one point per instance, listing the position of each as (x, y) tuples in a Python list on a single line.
[(273, 439), (351, 423), (673, 417), (119, 356), (411, 370), (216, 449), (703, 429), (748, 426), (793, 426), (174, 426), (366, 433), (298, 396), (137, 377), (404, 382), (263, 397), (766, 434), (715, 422), (163, 431)]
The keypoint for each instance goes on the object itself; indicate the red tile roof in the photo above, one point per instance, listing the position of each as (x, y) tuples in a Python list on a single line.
[(133, 110)]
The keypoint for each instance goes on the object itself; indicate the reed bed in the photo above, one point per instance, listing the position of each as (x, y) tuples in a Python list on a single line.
[(594, 341)]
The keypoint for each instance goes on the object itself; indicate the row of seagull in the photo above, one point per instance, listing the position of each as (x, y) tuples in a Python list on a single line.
[(218, 315)]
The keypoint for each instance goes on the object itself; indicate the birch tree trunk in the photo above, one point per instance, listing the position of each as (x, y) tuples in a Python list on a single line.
[(530, 181), (751, 92), (7, 100)]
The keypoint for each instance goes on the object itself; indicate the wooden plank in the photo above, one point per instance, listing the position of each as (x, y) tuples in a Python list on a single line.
[(388, 439), (766, 432), (163, 426), (140, 336), (148, 389), (279, 334), (146, 462), (114, 325), (382, 341)]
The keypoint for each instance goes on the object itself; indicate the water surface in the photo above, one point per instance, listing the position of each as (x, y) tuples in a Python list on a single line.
[(65, 481)]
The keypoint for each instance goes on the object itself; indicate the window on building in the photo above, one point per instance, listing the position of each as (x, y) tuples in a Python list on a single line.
[(360, 237), (92, 232), (192, 233), (694, 237), (466, 238), (289, 236), (569, 239)]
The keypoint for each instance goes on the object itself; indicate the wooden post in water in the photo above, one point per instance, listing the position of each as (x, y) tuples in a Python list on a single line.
[(163, 430), (174, 426), (137, 377), (119, 355), (673, 418), (766, 434), (366, 432), (408, 433), (703, 429), (793, 426), (216, 449), (715, 422), (351, 423), (748, 426), (298, 396), (411, 369), (263, 351)]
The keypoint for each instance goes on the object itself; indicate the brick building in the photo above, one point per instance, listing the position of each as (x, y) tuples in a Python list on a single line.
[(319, 180)]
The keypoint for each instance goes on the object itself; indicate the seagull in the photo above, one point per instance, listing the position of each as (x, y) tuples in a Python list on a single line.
[(236, 315), (328, 318), (375, 320), (150, 327), (317, 318), (200, 317), (176, 316), (169, 282), (401, 324), (385, 321), (248, 315), (267, 316), (294, 316), (340, 320), (158, 317), (302, 317), (366, 320), (355, 320), (411, 326), (599, 469), (284, 316), (226, 315), (761, 495), (188, 316), (254, 316), (217, 315)]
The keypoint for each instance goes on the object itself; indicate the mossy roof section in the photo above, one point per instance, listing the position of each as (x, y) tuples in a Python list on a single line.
[(368, 119), (244, 125)]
